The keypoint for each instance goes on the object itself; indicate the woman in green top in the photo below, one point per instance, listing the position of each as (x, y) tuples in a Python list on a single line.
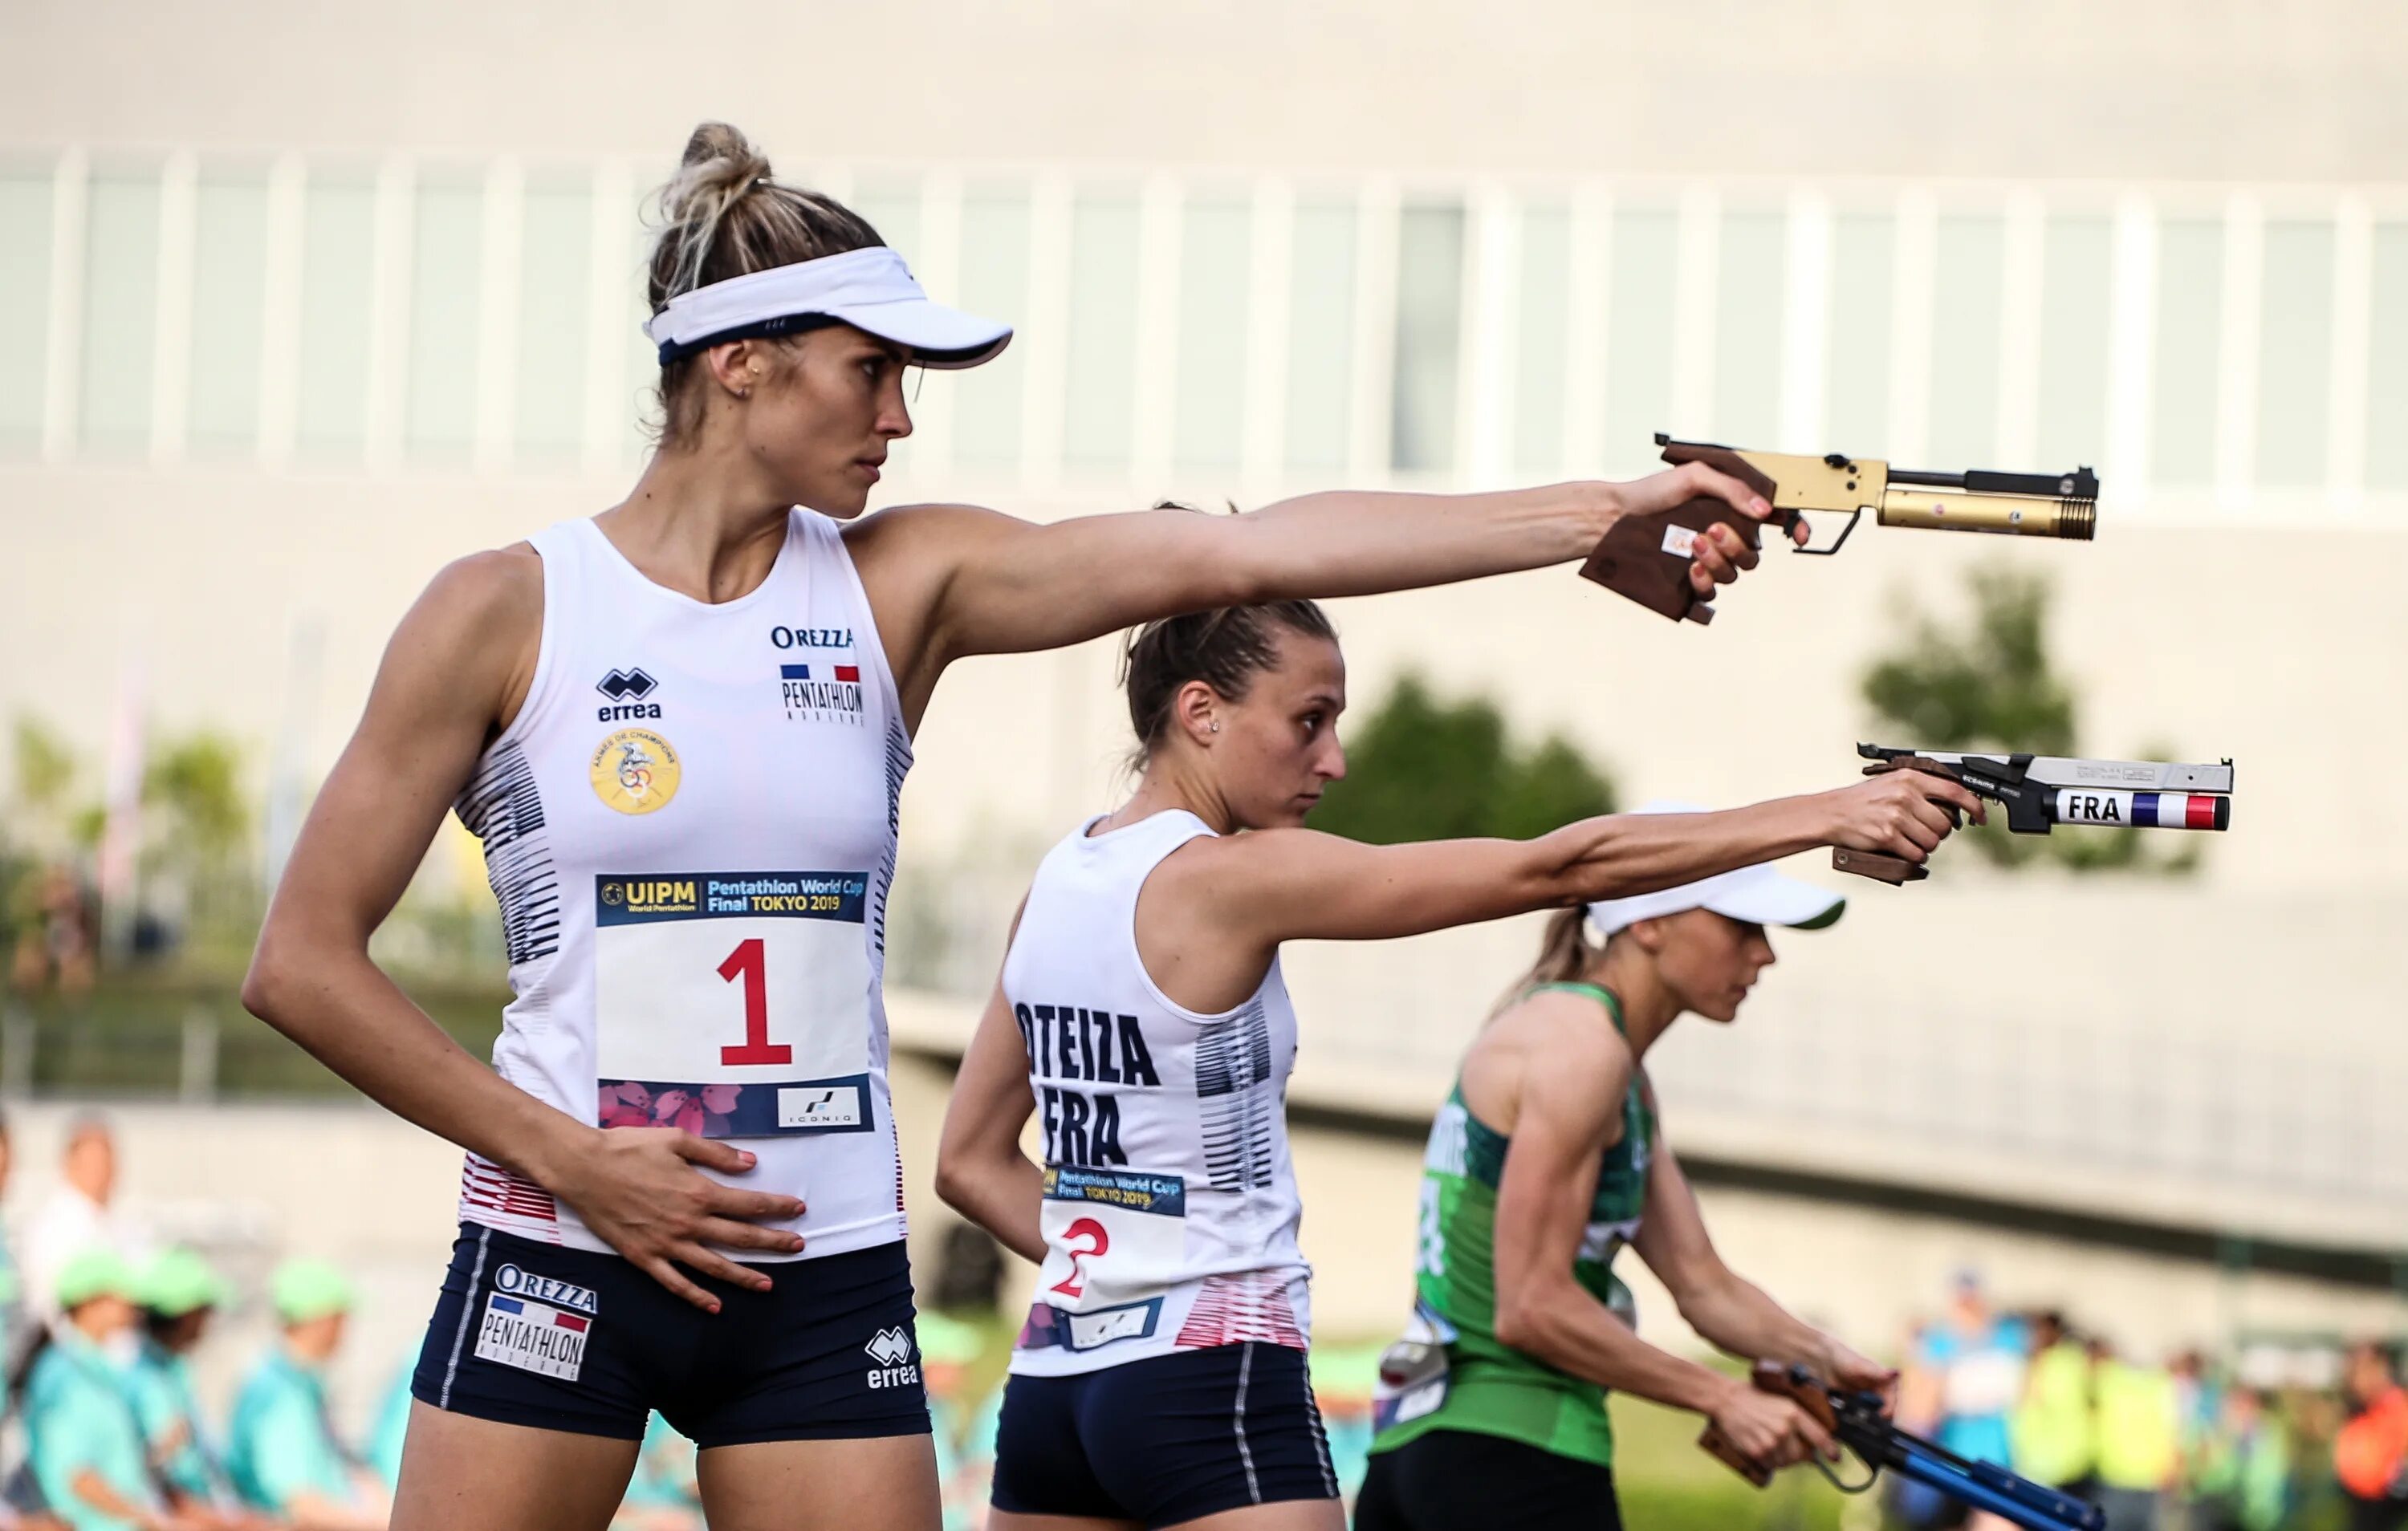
[(1545, 1161)]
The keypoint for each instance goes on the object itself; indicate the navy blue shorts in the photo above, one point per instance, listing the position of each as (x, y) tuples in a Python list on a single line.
[(1164, 1439), (568, 1340)]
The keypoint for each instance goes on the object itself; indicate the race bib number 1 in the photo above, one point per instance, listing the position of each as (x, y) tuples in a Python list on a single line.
[(732, 1004)]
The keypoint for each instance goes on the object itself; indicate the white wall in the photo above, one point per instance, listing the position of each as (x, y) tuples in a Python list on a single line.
[(2260, 89)]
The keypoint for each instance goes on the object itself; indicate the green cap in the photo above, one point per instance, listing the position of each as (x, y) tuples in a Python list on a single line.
[(179, 1283), (948, 1341), (94, 1273), (304, 1290)]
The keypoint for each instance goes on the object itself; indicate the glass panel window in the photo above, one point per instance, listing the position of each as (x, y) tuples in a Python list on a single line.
[(338, 291), (446, 279), (2188, 351), (1099, 413), (555, 296), (1430, 338), (229, 312), (1542, 341), (2386, 370), (2072, 414), (2295, 353), (121, 311), (1215, 274), (1748, 303), (994, 283), (1320, 336), (25, 194), (1864, 250), (1638, 337), (1967, 283)]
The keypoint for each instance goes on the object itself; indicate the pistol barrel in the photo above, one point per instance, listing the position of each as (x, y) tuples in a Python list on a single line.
[(2012, 515)]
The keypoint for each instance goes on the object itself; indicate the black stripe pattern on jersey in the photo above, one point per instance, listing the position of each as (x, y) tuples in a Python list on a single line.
[(1239, 1098), (504, 808), (898, 763)]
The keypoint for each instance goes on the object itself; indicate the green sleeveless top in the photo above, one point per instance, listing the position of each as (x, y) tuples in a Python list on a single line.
[(1491, 1389)]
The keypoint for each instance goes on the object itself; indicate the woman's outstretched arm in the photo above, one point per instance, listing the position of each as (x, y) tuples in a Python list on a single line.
[(951, 581), (1275, 885)]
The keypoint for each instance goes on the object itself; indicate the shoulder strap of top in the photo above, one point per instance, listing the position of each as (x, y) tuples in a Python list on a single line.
[(1597, 992)]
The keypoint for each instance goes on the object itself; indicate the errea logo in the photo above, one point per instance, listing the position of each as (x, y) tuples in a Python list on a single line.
[(627, 689), (892, 1349)]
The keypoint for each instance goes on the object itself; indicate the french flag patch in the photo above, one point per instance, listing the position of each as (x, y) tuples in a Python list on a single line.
[(533, 1337)]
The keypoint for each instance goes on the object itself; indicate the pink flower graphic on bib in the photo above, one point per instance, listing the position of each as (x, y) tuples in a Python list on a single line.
[(677, 1109), (625, 1104), (718, 1103)]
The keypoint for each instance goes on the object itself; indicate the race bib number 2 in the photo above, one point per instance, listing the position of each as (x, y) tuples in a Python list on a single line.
[(732, 1004)]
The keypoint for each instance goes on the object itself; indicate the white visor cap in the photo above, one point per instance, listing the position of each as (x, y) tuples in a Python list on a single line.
[(1755, 896), (869, 289)]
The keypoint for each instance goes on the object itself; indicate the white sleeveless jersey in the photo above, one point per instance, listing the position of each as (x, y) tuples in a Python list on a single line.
[(1170, 1207), (690, 825)]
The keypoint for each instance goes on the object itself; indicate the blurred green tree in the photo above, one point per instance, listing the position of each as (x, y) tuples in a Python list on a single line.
[(1422, 769), (1988, 683), (197, 834), (194, 784)]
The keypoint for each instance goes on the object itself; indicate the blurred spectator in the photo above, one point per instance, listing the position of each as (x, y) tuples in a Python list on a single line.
[(55, 933), (2371, 1452), (77, 1216), (85, 1445), (2243, 1482), (2198, 1408), (178, 1293), (14, 1332), (1972, 1362), (2053, 1429), (282, 1452), (392, 1427), (2139, 1437), (662, 1495), (961, 1417)]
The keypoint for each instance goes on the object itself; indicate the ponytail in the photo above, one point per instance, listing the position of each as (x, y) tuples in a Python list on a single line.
[(1565, 954)]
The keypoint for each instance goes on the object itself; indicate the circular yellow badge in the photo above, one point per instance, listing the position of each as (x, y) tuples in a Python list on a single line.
[(635, 771)]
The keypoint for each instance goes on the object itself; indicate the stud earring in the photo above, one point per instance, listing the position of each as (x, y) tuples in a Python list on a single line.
[(1216, 726)]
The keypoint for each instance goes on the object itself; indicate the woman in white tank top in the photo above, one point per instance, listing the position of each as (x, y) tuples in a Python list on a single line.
[(1141, 1017), (681, 728)]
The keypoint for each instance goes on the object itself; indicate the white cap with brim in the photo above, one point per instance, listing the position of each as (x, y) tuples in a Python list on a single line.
[(869, 289), (1755, 896)]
